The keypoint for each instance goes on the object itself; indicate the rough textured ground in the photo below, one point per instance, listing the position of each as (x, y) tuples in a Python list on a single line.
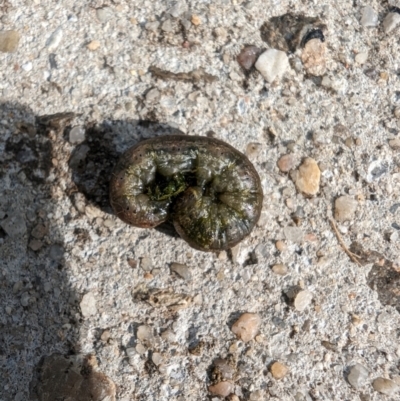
[(59, 239)]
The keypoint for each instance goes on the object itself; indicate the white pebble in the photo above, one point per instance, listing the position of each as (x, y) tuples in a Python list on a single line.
[(272, 64), (27, 66), (357, 375), (88, 305), (104, 14), (77, 134), (361, 57), (302, 300), (390, 22), (369, 17), (55, 39)]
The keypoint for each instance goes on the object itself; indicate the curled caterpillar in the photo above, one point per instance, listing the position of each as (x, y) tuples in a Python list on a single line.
[(208, 189)]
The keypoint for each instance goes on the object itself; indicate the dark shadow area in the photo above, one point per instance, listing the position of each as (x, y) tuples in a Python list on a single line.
[(39, 315), (93, 160)]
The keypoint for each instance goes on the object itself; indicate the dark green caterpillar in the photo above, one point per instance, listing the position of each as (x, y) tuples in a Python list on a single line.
[(209, 190)]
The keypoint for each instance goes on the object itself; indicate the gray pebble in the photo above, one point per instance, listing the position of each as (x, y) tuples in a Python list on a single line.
[(54, 40), (391, 21), (168, 26), (14, 226), (181, 270), (369, 17), (77, 134), (293, 234), (104, 14), (345, 208), (357, 375)]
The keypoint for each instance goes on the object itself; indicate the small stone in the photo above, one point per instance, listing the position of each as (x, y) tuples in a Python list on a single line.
[(313, 57), (157, 358), (146, 264), (294, 234), (153, 95), (248, 56), (27, 66), (280, 245), (14, 226), (35, 244), (141, 349), (93, 45), (279, 370), (253, 149), (152, 25), (54, 39), (361, 57), (396, 112), (391, 21), (369, 17), (345, 208), (307, 177), (181, 270), (39, 231), (9, 41), (286, 163), (395, 143), (144, 333), (104, 14), (178, 9), (280, 269), (168, 26), (302, 300), (195, 20), (77, 134), (357, 376), (247, 326), (88, 305), (272, 64), (105, 336), (385, 386), (222, 389)]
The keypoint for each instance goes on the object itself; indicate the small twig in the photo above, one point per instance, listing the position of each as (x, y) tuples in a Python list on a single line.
[(351, 255)]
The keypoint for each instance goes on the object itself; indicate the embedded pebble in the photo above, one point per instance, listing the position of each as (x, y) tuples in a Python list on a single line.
[(93, 45), (248, 56), (369, 17), (27, 66), (146, 264), (279, 370), (9, 41), (385, 386), (280, 269), (55, 39), (272, 64), (395, 143), (35, 244), (247, 326), (196, 20), (391, 21), (294, 234), (144, 333), (361, 57), (286, 163), (345, 208), (357, 376), (77, 134), (307, 177), (104, 14), (88, 305), (280, 245), (181, 270), (222, 389), (313, 57), (14, 226), (302, 300), (168, 26)]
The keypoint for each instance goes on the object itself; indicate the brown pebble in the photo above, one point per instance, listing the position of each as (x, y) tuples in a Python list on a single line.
[(247, 326), (132, 263), (313, 57), (223, 389), (196, 20), (385, 386), (307, 177), (148, 276), (280, 269), (9, 41), (286, 163), (93, 45), (394, 143), (279, 370), (248, 56), (280, 245), (35, 244)]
